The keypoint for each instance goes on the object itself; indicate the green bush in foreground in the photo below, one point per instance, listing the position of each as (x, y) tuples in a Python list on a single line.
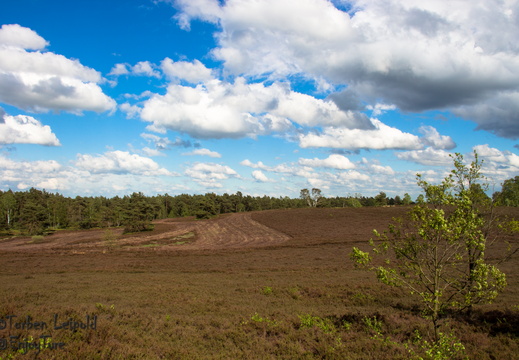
[(438, 251)]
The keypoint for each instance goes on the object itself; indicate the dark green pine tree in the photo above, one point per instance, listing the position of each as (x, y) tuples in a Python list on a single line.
[(139, 214)]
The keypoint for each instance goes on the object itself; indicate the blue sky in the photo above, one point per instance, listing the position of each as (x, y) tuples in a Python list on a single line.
[(263, 97)]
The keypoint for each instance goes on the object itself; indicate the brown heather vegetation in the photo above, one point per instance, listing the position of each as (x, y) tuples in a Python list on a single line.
[(275, 284)]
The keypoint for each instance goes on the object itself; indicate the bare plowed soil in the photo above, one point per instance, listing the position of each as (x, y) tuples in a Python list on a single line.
[(311, 226), (224, 232)]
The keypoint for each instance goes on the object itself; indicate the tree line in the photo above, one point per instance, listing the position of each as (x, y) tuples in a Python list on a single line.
[(37, 211)]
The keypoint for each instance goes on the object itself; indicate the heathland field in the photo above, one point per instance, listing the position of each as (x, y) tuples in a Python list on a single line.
[(261, 285)]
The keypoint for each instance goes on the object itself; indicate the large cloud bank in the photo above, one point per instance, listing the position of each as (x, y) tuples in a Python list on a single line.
[(418, 55)]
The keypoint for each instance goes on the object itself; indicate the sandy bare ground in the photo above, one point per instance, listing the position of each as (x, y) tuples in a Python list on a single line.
[(225, 232)]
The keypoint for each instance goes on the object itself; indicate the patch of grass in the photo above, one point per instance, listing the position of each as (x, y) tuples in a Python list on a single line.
[(256, 318), (177, 240), (267, 290), (362, 298), (150, 245), (309, 321), (373, 325), (295, 292), (9, 233), (37, 239), (184, 238), (187, 235)]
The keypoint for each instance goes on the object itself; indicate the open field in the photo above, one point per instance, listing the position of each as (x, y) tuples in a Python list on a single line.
[(225, 232), (262, 285)]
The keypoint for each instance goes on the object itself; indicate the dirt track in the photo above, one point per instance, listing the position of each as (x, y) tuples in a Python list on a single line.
[(224, 232)]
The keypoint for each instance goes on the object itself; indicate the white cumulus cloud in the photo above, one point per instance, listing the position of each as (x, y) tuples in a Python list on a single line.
[(433, 138), (428, 156), (193, 72), (22, 129), (24, 174), (145, 68), (381, 137), (41, 81), (204, 152), (334, 161), (258, 165), (119, 69), (210, 174), (218, 109), (258, 175), (120, 162), (19, 36)]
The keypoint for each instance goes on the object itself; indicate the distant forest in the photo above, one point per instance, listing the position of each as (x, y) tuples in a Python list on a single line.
[(36, 212)]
